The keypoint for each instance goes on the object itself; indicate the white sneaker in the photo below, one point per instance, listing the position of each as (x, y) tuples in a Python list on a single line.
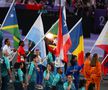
[(39, 87), (10, 81)]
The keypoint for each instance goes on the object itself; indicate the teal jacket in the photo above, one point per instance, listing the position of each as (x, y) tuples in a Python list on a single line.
[(1, 38), (50, 80), (66, 84), (5, 66), (19, 75), (58, 82), (32, 72)]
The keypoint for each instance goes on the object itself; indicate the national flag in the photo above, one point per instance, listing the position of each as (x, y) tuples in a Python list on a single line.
[(36, 33), (61, 42), (11, 25), (59, 47), (51, 38), (77, 48), (102, 41), (104, 65), (66, 37)]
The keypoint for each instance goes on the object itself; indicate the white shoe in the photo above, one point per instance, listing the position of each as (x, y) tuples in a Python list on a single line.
[(10, 81), (39, 87)]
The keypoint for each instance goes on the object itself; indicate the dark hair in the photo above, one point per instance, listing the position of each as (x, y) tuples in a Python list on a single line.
[(34, 56), (52, 66), (68, 74), (58, 69), (82, 83), (72, 62), (6, 40), (91, 86), (17, 65), (21, 42), (73, 57), (94, 60), (87, 54)]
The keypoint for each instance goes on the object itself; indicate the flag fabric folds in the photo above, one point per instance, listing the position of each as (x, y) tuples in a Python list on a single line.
[(52, 38), (11, 25), (60, 37), (104, 65), (102, 41), (67, 43), (35, 34), (78, 43), (59, 47)]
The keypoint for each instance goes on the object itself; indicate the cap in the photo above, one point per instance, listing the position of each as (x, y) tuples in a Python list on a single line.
[(37, 49)]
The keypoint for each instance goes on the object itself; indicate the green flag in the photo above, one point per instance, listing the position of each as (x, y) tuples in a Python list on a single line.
[(52, 37), (11, 25)]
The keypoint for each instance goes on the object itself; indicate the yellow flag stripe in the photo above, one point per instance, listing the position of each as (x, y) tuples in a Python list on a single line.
[(9, 27), (52, 46), (55, 35), (16, 39), (80, 46)]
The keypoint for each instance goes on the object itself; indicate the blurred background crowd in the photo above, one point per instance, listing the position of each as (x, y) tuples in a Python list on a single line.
[(73, 3)]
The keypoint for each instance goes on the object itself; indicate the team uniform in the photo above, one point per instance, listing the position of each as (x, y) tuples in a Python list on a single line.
[(76, 74), (32, 75), (21, 58), (66, 85), (58, 82), (95, 75), (87, 68), (48, 83), (18, 79), (5, 66)]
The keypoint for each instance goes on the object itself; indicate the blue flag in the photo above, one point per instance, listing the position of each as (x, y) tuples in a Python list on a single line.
[(35, 34)]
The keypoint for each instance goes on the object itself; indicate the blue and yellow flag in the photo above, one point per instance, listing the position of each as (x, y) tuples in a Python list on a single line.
[(78, 42), (11, 25)]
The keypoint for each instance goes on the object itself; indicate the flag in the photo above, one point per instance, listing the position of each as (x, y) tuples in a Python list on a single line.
[(11, 25), (102, 41), (104, 65), (60, 41), (35, 34), (59, 47), (51, 38), (77, 48), (66, 38)]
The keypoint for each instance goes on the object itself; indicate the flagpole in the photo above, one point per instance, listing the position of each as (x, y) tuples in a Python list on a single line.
[(7, 14), (93, 47), (6, 18), (30, 29), (42, 38), (104, 59), (75, 26)]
